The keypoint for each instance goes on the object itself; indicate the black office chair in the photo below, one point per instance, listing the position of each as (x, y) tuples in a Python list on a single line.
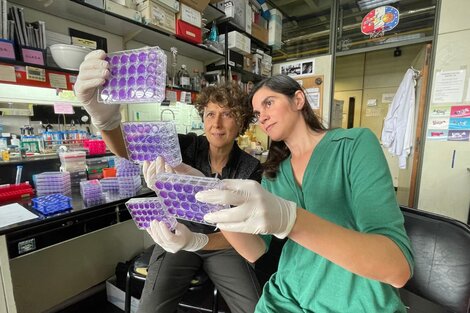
[(200, 284), (442, 259)]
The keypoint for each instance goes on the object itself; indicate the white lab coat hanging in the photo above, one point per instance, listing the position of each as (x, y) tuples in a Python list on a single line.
[(398, 131)]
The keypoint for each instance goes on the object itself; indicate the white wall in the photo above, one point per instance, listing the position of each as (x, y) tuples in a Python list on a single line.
[(445, 188)]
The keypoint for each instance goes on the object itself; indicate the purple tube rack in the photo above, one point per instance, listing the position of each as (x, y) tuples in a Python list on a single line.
[(137, 76), (145, 210), (145, 141), (178, 195)]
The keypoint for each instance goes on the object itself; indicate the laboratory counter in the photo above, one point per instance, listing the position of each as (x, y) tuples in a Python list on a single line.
[(34, 234)]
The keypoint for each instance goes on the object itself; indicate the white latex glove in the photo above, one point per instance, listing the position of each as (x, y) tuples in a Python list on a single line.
[(152, 169), (256, 210), (182, 239), (93, 73)]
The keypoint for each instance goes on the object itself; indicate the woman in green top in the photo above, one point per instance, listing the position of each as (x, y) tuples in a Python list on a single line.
[(330, 192)]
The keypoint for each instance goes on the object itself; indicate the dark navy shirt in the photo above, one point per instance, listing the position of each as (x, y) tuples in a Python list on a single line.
[(195, 152)]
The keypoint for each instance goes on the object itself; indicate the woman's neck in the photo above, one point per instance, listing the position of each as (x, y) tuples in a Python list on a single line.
[(218, 158), (303, 141)]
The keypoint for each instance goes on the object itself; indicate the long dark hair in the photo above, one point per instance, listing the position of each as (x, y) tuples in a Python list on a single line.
[(278, 151)]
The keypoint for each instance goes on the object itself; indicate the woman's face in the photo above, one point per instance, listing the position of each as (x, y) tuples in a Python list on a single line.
[(220, 125), (277, 114)]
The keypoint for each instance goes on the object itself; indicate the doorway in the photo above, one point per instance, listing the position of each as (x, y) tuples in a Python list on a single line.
[(366, 83)]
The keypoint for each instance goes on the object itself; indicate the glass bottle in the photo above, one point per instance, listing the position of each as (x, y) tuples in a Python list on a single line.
[(174, 61), (196, 85), (184, 80)]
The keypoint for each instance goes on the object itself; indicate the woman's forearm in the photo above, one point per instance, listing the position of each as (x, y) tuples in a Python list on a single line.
[(249, 246), (114, 141), (217, 241), (370, 255)]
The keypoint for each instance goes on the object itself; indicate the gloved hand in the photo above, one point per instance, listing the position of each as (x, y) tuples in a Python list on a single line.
[(257, 211), (182, 239), (92, 74), (152, 169)]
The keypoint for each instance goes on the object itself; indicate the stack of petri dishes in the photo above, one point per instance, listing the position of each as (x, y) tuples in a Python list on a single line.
[(137, 75), (110, 184), (125, 167), (145, 210), (52, 182), (145, 141), (52, 204), (91, 192)]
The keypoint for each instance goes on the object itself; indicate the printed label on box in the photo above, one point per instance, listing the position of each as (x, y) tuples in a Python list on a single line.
[(32, 56), (63, 108), (6, 50)]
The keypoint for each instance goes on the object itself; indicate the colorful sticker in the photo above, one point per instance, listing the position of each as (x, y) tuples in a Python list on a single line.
[(437, 134), (459, 123), (440, 111), (438, 123), (384, 19), (458, 135), (460, 111)]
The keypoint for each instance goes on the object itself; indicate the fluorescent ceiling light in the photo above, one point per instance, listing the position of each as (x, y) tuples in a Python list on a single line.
[(371, 4)]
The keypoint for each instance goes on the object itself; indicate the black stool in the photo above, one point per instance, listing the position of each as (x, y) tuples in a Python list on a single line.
[(200, 282)]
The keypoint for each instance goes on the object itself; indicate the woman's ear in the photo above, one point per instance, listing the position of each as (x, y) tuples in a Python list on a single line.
[(299, 99)]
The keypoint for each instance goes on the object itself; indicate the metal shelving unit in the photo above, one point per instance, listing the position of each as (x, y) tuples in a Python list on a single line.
[(91, 16)]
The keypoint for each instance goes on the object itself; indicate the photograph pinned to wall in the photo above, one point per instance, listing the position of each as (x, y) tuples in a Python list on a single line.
[(437, 134), (298, 68), (307, 68), (460, 111), (458, 135), (439, 111)]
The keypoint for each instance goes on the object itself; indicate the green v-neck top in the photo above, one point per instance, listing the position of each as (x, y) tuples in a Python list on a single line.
[(347, 182)]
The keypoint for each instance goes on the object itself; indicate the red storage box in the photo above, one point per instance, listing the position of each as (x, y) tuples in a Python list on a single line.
[(95, 146), (188, 32), (15, 191)]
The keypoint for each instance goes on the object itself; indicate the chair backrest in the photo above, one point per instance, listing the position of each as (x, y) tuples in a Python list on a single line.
[(441, 248)]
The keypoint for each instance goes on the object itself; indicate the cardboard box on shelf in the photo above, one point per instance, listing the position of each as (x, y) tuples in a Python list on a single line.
[(248, 63), (188, 32), (189, 15), (158, 16), (121, 10), (275, 29), (172, 5), (260, 33), (235, 60), (237, 42), (199, 5), (236, 9)]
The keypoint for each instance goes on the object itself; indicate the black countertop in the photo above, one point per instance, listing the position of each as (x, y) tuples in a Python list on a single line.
[(31, 235)]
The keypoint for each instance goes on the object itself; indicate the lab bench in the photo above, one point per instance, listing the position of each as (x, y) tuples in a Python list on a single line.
[(48, 260)]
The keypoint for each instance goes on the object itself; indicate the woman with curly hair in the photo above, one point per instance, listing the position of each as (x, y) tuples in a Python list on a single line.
[(178, 256)]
